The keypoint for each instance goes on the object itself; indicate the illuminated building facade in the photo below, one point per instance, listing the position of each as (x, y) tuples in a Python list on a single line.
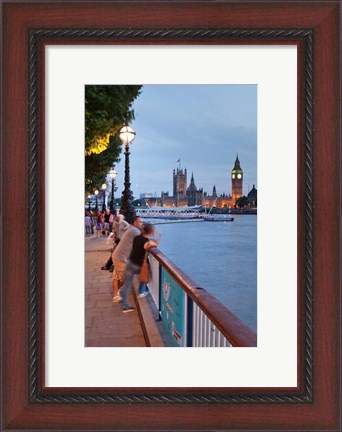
[(184, 196)]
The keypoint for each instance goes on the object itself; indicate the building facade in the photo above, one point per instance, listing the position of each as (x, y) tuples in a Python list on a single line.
[(184, 195), (252, 197)]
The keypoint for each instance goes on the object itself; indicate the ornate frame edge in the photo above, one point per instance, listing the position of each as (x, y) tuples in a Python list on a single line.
[(35, 37)]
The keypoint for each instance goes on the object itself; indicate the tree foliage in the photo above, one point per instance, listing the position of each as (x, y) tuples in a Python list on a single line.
[(97, 166), (107, 109)]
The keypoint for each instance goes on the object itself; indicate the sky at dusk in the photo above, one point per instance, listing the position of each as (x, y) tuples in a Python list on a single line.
[(204, 126)]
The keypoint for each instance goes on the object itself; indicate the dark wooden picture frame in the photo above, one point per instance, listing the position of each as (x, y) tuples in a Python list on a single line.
[(315, 402)]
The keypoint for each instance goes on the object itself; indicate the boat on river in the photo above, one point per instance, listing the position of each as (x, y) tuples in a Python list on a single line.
[(171, 213), (182, 214), (217, 218)]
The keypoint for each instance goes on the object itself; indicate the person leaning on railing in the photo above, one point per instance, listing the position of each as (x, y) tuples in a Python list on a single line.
[(121, 254), (118, 229), (141, 244)]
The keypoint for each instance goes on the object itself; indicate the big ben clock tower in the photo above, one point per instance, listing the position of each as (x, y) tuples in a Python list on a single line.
[(237, 179)]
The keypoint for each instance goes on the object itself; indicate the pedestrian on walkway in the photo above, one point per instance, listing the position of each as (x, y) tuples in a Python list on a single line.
[(106, 218), (87, 223), (93, 221), (121, 254), (98, 224), (141, 244), (143, 289), (119, 227), (109, 264), (111, 220)]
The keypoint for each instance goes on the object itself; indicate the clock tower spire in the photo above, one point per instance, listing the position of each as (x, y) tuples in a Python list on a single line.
[(237, 179)]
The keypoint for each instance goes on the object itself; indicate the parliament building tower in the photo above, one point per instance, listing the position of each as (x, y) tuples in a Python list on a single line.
[(237, 179), (179, 184)]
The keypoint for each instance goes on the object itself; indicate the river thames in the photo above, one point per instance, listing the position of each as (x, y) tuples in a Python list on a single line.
[(221, 257)]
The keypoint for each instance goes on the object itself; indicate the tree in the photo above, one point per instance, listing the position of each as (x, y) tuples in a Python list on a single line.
[(107, 109), (242, 202), (98, 165)]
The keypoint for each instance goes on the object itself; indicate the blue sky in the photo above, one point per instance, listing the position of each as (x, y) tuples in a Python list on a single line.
[(204, 126)]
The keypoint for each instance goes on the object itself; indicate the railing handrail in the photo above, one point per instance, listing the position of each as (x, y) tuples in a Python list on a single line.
[(232, 327)]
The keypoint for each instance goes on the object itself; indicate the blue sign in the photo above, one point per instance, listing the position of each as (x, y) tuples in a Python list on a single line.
[(172, 307)]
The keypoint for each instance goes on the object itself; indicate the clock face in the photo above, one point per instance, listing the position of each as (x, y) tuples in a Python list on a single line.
[(233, 176), (239, 176)]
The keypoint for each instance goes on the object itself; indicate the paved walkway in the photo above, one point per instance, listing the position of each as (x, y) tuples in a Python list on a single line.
[(105, 324)]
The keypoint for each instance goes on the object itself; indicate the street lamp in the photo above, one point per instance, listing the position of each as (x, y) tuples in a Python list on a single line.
[(104, 187), (96, 193), (127, 135), (112, 174), (89, 197)]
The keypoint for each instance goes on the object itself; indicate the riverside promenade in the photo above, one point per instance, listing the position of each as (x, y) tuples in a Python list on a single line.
[(105, 324)]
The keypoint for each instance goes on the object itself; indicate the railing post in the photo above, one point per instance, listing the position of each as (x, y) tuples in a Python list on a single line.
[(159, 291), (189, 324)]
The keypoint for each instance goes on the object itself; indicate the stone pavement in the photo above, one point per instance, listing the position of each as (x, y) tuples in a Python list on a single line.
[(105, 324)]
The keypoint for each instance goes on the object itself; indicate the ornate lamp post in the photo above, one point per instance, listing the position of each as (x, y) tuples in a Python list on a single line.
[(127, 135), (104, 187), (89, 198), (96, 193), (112, 174)]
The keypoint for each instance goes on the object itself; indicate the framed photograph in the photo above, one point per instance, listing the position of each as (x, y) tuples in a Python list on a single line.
[(288, 377), (181, 146)]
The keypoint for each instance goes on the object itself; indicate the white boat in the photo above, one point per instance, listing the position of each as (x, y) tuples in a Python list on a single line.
[(217, 218), (209, 217)]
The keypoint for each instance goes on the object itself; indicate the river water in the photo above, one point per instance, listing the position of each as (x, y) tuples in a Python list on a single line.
[(221, 257)]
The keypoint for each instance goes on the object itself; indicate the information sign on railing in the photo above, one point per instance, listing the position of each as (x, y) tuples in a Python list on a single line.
[(173, 309)]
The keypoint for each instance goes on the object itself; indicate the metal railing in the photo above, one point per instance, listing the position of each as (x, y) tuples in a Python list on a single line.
[(192, 316)]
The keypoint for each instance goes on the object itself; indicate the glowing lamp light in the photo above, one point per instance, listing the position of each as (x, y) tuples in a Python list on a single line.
[(112, 173), (127, 134)]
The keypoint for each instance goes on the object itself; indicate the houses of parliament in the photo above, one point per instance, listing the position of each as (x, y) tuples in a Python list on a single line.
[(185, 196)]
